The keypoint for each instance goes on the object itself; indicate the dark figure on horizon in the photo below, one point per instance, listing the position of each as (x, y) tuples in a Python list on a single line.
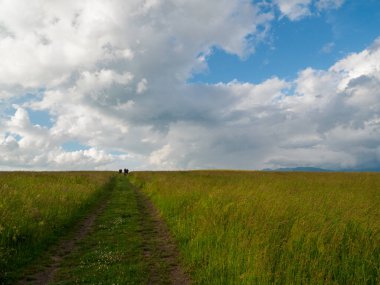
[(126, 171), (120, 171)]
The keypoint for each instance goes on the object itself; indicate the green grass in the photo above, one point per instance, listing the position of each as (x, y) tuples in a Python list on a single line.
[(36, 208), (113, 253), (272, 228), (231, 227)]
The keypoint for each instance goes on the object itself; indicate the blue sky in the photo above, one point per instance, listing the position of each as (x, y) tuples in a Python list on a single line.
[(317, 41), (169, 84)]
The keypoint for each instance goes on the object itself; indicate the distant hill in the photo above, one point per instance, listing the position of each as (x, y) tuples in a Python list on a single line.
[(372, 169), (300, 169), (316, 169)]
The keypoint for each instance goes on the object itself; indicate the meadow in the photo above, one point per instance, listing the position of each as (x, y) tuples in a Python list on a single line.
[(271, 228), (37, 208)]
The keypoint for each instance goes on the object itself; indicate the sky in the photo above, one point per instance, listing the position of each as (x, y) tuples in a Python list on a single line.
[(176, 84)]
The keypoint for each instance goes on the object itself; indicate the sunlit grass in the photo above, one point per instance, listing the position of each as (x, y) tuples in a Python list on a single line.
[(272, 228), (113, 252), (35, 208)]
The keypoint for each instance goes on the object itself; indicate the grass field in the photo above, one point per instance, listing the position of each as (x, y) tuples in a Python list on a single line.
[(231, 227), (112, 253), (272, 228), (36, 208), (122, 247)]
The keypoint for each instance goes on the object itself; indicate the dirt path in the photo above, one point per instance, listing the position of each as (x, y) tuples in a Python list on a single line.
[(160, 255), (159, 247), (64, 247)]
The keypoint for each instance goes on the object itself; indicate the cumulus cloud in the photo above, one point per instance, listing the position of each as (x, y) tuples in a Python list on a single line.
[(112, 75), (326, 118), (28, 146)]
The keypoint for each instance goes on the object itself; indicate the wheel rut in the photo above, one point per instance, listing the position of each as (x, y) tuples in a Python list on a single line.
[(160, 249), (64, 247)]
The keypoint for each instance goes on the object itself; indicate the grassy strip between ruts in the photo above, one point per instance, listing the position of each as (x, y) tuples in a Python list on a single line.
[(113, 253)]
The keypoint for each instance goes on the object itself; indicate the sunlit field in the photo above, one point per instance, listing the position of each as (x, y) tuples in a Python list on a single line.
[(36, 208), (272, 228)]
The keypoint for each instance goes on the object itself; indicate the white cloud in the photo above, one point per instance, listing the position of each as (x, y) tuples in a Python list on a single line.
[(92, 58), (359, 64), (82, 157), (328, 48), (326, 118), (142, 86), (298, 9), (86, 63), (160, 157), (31, 146), (5, 95), (294, 9), (329, 4)]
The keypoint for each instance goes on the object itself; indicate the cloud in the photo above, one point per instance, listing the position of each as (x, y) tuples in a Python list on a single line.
[(328, 48), (113, 77), (86, 63), (329, 4), (5, 95), (326, 118), (28, 146), (142, 86), (298, 9), (294, 9)]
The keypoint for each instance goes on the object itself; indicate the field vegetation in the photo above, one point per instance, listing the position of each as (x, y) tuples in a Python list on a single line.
[(231, 227), (37, 208), (271, 228), (113, 252)]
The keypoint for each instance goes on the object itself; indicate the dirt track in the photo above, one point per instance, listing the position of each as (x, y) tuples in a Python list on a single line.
[(159, 242), (62, 249), (159, 250)]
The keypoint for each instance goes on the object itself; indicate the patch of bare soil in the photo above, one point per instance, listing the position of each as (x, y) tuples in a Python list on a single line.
[(159, 247), (60, 251)]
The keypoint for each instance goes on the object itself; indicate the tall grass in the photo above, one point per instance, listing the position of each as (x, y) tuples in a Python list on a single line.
[(35, 208), (272, 228)]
